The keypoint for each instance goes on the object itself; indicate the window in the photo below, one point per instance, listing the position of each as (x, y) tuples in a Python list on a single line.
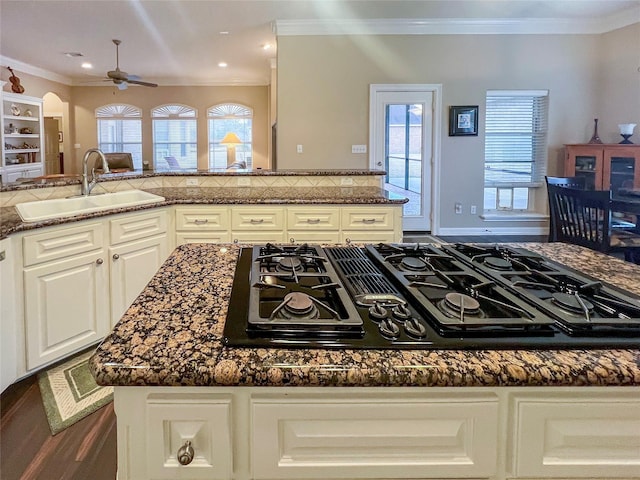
[(120, 130), (224, 119), (174, 136), (515, 156)]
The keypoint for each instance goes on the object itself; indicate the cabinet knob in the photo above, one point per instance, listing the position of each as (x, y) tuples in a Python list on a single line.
[(185, 453), (99, 261), (116, 256)]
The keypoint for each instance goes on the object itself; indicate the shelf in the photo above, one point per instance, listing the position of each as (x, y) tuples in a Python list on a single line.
[(21, 135), (19, 117), (21, 150)]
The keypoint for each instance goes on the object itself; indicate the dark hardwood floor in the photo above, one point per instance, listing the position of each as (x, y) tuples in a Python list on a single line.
[(28, 451)]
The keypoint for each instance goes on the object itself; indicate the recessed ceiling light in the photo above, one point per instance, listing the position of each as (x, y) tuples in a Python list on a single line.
[(224, 32), (86, 65), (72, 54), (266, 46), (222, 64)]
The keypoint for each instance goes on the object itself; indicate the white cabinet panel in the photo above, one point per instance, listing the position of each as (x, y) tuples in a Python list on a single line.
[(66, 306), (366, 218), (257, 218), (385, 438), (313, 218), (60, 242), (258, 237), (10, 326), (313, 237), (132, 266), (360, 236), (126, 228), (202, 237), (202, 218), (577, 437)]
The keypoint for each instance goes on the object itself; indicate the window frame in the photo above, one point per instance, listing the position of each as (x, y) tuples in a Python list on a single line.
[(120, 112), (229, 111), (536, 137), (174, 112)]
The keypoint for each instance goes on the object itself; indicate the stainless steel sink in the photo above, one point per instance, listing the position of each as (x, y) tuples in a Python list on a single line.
[(68, 207)]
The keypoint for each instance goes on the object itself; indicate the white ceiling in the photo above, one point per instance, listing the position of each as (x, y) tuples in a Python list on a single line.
[(178, 42)]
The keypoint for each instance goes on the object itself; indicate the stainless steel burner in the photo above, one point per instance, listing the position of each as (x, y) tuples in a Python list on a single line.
[(413, 263), (572, 302), (498, 263), (460, 301), (289, 264)]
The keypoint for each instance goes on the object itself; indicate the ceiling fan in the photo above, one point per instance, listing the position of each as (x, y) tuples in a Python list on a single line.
[(121, 78)]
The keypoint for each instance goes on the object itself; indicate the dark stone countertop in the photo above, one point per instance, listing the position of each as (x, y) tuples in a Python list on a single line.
[(172, 335), (10, 221)]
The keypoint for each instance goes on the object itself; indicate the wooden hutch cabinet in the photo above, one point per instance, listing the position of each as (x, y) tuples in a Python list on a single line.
[(605, 166)]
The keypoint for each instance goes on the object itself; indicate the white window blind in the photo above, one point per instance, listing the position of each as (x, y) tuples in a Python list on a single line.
[(120, 130), (515, 138)]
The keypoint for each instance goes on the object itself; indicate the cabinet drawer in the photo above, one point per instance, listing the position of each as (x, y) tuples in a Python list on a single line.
[(62, 242), (252, 218), (202, 219), (202, 419), (313, 237), (258, 237), (367, 218), (361, 236), (133, 227), (574, 437), (301, 218), (204, 237), (374, 438)]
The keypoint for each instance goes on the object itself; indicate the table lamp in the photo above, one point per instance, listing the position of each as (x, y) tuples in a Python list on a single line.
[(231, 140), (626, 130)]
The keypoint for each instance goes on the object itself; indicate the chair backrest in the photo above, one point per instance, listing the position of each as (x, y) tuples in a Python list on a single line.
[(119, 161), (173, 162), (582, 217), (568, 182)]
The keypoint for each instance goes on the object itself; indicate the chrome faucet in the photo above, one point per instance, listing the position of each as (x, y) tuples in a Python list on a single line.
[(87, 185)]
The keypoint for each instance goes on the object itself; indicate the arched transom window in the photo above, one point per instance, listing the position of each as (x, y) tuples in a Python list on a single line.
[(230, 136), (175, 133), (120, 130)]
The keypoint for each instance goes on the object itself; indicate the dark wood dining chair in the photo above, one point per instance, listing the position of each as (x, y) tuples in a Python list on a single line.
[(566, 182), (119, 161), (583, 217)]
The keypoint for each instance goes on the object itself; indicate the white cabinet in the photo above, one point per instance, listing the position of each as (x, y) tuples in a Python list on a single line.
[(313, 224), (22, 131), (495, 433), (576, 436), (10, 326), (202, 224), (66, 291), (139, 247), (371, 224), (384, 436), (79, 280), (258, 224)]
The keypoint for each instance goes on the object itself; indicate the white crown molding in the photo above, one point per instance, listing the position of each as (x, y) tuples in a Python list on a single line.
[(36, 71), (456, 26)]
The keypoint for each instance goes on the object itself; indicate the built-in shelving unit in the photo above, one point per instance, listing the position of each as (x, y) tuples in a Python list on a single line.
[(22, 130)]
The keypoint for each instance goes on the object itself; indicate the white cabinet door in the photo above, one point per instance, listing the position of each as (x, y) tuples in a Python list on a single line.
[(11, 335), (576, 436), (133, 264), (66, 306), (364, 437)]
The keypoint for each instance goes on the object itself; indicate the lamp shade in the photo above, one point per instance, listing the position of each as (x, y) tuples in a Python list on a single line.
[(230, 139)]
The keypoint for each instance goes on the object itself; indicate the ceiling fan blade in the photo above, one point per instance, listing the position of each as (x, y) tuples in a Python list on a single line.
[(122, 85), (144, 84)]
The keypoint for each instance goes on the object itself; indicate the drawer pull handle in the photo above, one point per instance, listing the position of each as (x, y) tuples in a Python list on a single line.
[(368, 221), (116, 256), (200, 222), (99, 261), (313, 221), (253, 221), (185, 453)]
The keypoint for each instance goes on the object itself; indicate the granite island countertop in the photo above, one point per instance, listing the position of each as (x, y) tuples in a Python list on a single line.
[(10, 221), (172, 336)]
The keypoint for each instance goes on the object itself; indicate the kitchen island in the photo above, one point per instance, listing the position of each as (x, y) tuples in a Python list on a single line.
[(313, 413)]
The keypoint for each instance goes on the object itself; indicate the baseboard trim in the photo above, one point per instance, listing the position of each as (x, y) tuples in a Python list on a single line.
[(492, 231)]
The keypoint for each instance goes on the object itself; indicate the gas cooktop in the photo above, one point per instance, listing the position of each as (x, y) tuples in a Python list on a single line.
[(422, 296)]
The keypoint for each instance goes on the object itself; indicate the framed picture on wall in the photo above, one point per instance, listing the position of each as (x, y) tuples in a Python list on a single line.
[(463, 120)]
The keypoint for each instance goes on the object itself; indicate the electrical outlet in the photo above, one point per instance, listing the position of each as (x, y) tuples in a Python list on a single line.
[(192, 182), (458, 208), (358, 149), (346, 181), (299, 148), (474, 210)]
